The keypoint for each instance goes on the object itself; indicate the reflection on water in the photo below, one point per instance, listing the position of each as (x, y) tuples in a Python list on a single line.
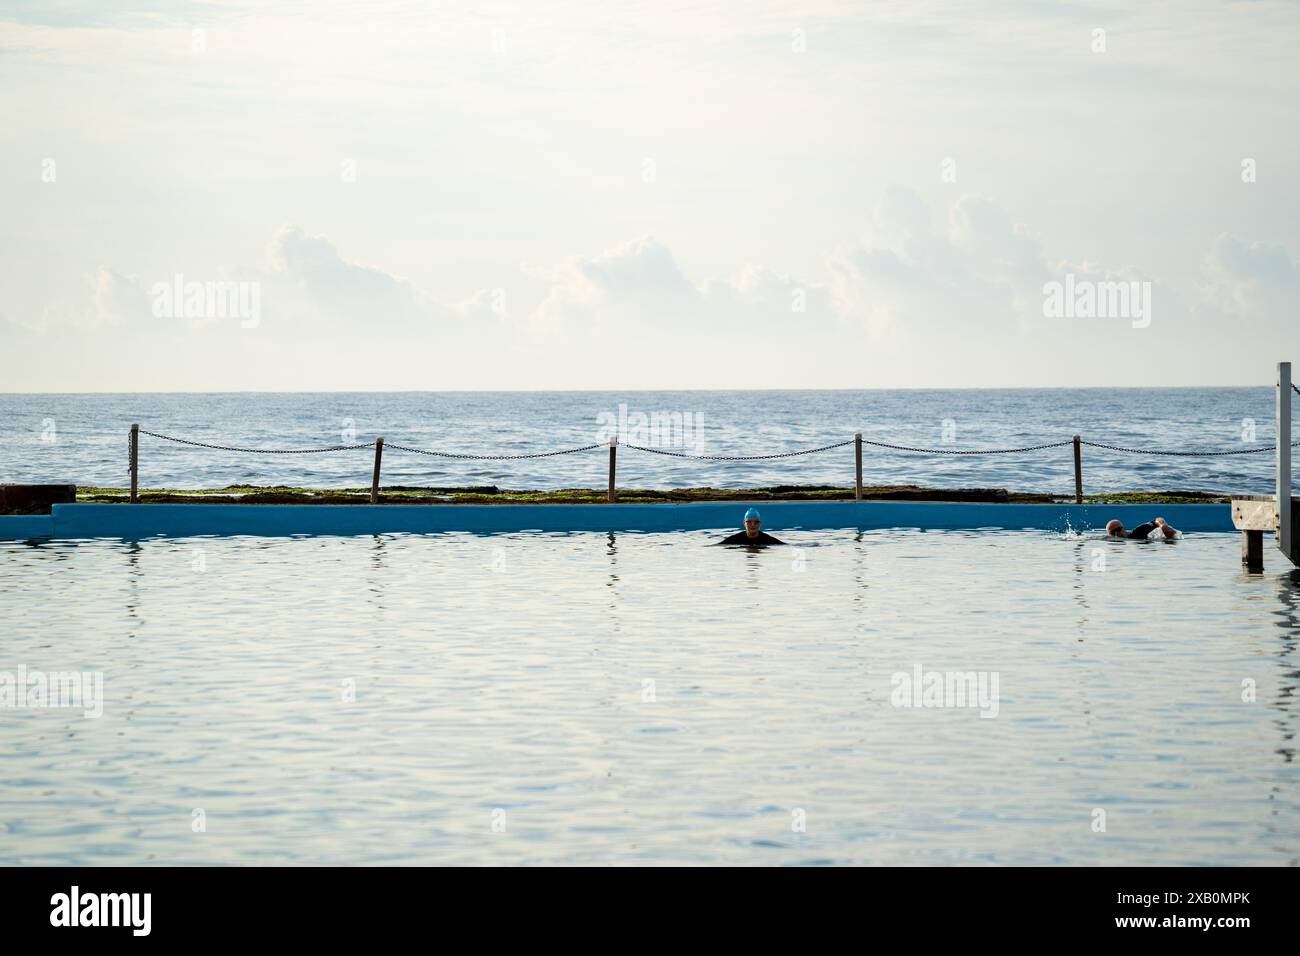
[(606, 698)]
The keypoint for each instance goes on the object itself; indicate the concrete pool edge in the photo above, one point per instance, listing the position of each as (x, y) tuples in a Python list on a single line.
[(182, 520), (21, 527)]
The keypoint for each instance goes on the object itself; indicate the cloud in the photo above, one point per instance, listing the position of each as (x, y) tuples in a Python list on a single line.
[(1256, 280), (962, 286), (639, 282), (303, 280), (338, 286), (485, 305), (908, 278), (757, 298), (117, 298), (983, 271)]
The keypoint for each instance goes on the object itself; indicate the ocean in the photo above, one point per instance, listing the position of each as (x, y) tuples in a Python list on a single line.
[(83, 438)]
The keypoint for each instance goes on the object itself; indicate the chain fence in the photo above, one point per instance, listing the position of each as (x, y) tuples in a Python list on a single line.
[(912, 449), (786, 454), (259, 451), (378, 446), (453, 454)]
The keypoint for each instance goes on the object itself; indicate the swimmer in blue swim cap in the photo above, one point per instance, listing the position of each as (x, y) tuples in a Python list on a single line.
[(752, 536)]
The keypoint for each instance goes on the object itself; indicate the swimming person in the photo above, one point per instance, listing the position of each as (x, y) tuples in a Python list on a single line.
[(752, 536), (1115, 528)]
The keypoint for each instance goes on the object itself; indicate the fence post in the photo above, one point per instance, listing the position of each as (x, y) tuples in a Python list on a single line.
[(857, 454), (613, 458), (135, 464), (1078, 473), (374, 481), (1282, 493)]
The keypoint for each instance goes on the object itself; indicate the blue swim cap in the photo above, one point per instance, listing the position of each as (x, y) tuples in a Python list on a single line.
[(752, 513)]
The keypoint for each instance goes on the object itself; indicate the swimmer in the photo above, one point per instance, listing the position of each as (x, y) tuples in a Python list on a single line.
[(1115, 529), (752, 535)]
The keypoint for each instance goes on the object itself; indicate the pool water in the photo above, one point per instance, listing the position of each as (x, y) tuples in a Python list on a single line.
[(645, 698)]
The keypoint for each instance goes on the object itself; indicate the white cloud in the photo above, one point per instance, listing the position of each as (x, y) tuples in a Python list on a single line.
[(338, 286), (968, 293), (637, 280), (983, 271), (639, 285), (758, 296), (1256, 280), (116, 298)]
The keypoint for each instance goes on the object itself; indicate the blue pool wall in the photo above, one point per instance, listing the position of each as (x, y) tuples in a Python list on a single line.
[(132, 522)]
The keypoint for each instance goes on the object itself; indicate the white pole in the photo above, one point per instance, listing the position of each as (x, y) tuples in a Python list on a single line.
[(1284, 458)]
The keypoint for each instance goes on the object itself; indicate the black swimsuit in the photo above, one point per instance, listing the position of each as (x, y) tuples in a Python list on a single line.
[(759, 540)]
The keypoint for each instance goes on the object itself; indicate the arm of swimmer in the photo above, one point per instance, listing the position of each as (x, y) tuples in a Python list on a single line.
[(1169, 530)]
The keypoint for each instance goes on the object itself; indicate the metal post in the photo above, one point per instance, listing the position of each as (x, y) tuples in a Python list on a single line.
[(1283, 499), (135, 464), (1252, 551), (374, 481), (613, 458), (857, 454), (1078, 473)]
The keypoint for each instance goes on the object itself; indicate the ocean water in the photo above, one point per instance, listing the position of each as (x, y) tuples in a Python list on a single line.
[(83, 438), (591, 698)]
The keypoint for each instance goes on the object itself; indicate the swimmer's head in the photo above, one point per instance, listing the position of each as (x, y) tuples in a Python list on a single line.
[(1115, 528), (752, 522)]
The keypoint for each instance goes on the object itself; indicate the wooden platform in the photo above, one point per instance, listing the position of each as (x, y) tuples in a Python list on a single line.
[(1252, 515)]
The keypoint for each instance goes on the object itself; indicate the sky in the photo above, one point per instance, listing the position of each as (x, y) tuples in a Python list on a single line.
[(563, 195)]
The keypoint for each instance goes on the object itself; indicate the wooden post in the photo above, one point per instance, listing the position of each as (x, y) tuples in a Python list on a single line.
[(857, 454), (1283, 490), (374, 481), (613, 458), (1252, 550), (135, 464), (1078, 473)]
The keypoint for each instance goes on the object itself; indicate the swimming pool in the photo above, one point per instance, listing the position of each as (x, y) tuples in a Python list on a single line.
[(603, 698)]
